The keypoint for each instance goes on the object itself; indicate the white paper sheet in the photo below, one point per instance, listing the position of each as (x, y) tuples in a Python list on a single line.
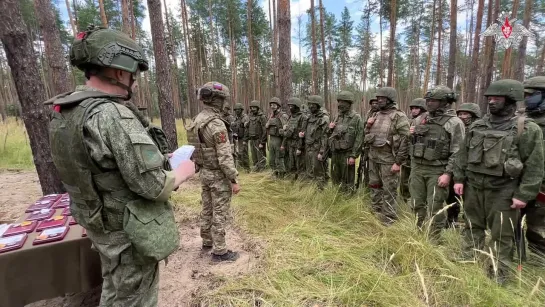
[(181, 154)]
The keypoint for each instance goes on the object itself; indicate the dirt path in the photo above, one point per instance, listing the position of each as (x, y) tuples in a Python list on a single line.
[(189, 272)]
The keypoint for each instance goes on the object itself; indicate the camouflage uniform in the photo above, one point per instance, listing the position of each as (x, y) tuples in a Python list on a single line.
[(275, 128), (292, 142), (501, 160), (344, 142), (114, 172), (315, 139), (256, 134), (369, 120), (239, 126), (213, 156), (387, 141), (406, 167), (535, 210)]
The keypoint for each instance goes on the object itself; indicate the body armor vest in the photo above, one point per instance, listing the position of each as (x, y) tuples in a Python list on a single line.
[(381, 129), (430, 142), (294, 126), (238, 126), (203, 156), (255, 130), (344, 133), (275, 125), (313, 133)]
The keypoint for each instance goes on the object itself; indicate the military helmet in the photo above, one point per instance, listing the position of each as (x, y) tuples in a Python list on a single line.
[(388, 92), (107, 48), (255, 103), (275, 100), (295, 101), (315, 99), (469, 107), (213, 88), (441, 92), (512, 89), (418, 103), (346, 96), (533, 84), (374, 98), (238, 106)]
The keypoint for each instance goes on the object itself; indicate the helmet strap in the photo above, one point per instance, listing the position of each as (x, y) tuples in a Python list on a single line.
[(113, 81)]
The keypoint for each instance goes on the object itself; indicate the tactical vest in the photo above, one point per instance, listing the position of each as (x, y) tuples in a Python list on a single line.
[(430, 142), (294, 123), (101, 202), (275, 125), (380, 130), (344, 134), (203, 156), (313, 133), (238, 126), (255, 129)]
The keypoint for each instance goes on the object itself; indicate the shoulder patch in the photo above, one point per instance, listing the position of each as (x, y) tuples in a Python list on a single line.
[(124, 112), (220, 137)]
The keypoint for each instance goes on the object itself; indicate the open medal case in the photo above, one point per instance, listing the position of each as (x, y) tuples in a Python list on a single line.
[(51, 235), (19, 228), (45, 202), (56, 221), (40, 215), (12, 242)]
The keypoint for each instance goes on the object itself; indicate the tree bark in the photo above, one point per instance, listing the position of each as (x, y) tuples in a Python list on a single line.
[(521, 57), (31, 92), (314, 52), (284, 47), (164, 85), (507, 70), (430, 50), (72, 23), (541, 62), (326, 85), (193, 104), (125, 20), (133, 19), (176, 100), (452, 44), (391, 53), (251, 62), (276, 67), (471, 85), (53, 47), (103, 13), (488, 69), (381, 71), (439, 31)]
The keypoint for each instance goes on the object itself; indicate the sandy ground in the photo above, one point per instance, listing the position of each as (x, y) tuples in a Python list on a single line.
[(189, 271)]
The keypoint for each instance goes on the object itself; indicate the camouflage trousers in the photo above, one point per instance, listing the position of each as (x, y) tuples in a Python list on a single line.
[(316, 170), (216, 202), (295, 164), (342, 174), (427, 197), (276, 156), (383, 187), (243, 160), (404, 182), (535, 224), (125, 283), (490, 208), (259, 155), (454, 210)]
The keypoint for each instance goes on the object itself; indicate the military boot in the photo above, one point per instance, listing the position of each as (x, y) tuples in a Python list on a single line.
[(229, 256)]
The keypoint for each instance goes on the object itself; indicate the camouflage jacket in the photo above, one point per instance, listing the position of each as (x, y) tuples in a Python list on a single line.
[(255, 128), (239, 127), (316, 132), (296, 123), (276, 123), (347, 135), (539, 119), (387, 137)]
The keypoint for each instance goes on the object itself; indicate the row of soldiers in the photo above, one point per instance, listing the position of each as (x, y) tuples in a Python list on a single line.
[(435, 156)]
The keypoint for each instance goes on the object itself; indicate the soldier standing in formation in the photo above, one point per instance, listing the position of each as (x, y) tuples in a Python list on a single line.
[(387, 141), (292, 143), (315, 138), (239, 126), (345, 140), (534, 92), (275, 128), (417, 107), (369, 120), (256, 135), (499, 170), (213, 156)]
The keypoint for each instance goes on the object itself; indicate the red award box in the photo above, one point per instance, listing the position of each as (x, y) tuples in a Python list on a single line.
[(51, 235), (40, 215), (12, 242), (45, 202), (56, 221), (19, 228), (66, 211), (63, 202)]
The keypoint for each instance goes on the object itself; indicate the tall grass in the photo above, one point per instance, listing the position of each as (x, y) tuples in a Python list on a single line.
[(14, 146)]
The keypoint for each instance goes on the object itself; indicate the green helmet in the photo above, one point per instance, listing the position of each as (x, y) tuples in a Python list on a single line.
[(418, 103), (533, 84), (469, 107), (374, 98), (388, 92), (211, 89), (441, 92), (315, 99), (295, 101), (512, 89), (107, 48), (255, 103), (346, 96), (238, 106), (275, 100)]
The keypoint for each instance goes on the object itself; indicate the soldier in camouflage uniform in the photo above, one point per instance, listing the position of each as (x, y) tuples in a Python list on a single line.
[(228, 118), (256, 135), (315, 138), (418, 107), (275, 128), (499, 169), (387, 142), (116, 171), (292, 144), (239, 126), (213, 156), (436, 139), (344, 142), (534, 92), (369, 120)]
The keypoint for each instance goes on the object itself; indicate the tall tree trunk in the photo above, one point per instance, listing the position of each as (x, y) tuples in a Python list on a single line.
[(173, 67), (273, 47), (193, 104), (452, 44), (103, 13), (125, 21), (381, 71), (284, 47), (276, 58), (164, 85), (439, 31), (322, 32), (490, 43), (53, 47), (314, 52), (471, 85), (391, 53), (31, 92), (233, 62), (507, 67), (430, 50), (251, 62), (541, 62), (72, 23), (521, 57), (133, 19)]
